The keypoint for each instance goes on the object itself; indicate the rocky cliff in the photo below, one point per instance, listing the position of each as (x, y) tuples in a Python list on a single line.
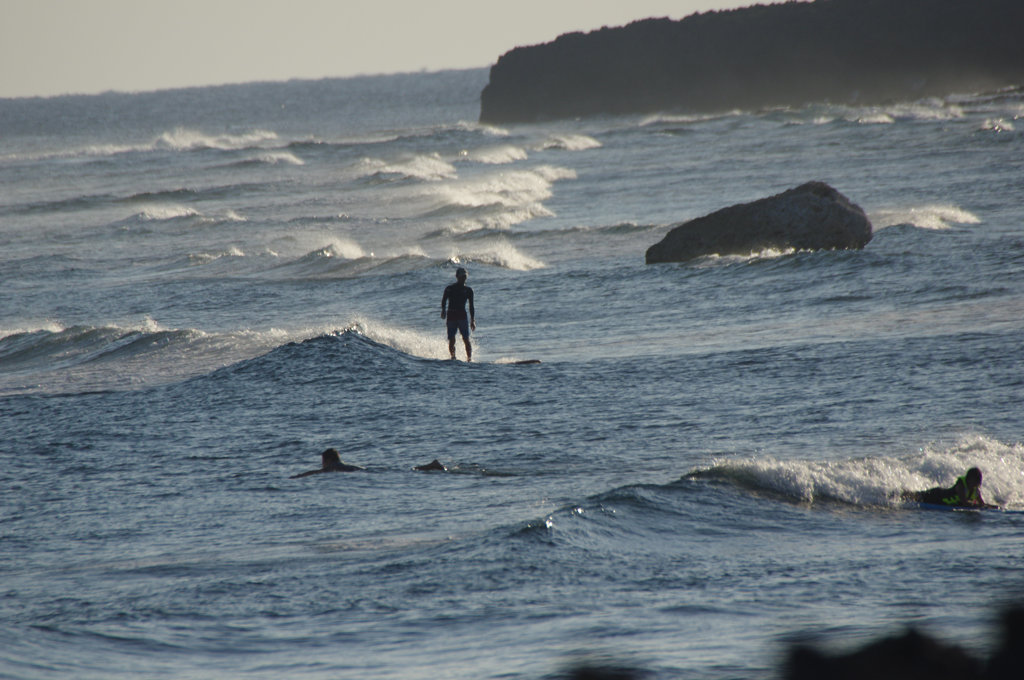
[(857, 51)]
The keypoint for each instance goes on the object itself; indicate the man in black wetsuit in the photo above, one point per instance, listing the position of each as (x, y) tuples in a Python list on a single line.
[(455, 297)]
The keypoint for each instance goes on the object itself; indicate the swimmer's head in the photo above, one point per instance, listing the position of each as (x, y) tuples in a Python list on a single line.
[(461, 274), (973, 477), (330, 457)]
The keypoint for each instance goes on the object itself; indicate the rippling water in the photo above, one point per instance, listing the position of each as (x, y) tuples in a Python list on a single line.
[(203, 289)]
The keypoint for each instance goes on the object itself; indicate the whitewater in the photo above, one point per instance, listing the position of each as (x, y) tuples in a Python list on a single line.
[(203, 289)]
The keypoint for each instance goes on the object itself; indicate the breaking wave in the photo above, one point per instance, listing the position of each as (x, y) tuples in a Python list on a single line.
[(935, 217), (880, 481)]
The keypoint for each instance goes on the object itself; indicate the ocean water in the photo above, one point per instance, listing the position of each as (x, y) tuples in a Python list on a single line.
[(203, 289)]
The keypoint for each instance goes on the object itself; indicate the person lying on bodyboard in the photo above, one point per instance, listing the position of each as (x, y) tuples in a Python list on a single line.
[(965, 493)]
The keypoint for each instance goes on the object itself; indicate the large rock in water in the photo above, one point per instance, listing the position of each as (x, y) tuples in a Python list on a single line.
[(813, 216)]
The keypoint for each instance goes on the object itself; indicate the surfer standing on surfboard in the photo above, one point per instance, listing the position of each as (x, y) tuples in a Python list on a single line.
[(455, 297)]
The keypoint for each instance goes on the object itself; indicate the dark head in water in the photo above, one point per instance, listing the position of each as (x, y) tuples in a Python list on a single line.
[(330, 461), (973, 478)]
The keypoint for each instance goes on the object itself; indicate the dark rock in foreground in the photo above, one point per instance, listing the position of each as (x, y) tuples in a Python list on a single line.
[(848, 51), (914, 656), (813, 216)]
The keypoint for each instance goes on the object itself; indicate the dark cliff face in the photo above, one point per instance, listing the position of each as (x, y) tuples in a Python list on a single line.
[(857, 51)]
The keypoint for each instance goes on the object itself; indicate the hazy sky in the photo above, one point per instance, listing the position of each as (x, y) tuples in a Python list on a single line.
[(50, 47)]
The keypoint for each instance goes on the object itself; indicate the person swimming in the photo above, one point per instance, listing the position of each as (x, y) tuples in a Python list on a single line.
[(965, 493), (330, 462)]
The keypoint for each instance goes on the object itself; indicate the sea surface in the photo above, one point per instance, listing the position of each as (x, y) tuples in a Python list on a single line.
[(202, 289)]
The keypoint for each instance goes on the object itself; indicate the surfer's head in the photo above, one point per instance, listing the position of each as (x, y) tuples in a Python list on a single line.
[(461, 274), (973, 477), (331, 458)]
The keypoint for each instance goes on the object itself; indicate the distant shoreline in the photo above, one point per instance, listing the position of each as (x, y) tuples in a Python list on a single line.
[(839, 51)]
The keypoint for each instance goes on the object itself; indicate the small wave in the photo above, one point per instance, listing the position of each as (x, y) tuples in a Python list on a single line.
[(157, 196), (177, 139), (206, 258), (345, 249), (512, 189), (879, 482), (493, 201), (683, 119), (347, 259), (997, 125), (500, 253), (922, 110), (484, 219), (158, 213), (73, 204), (875, 118), (936, 217), (405, 340), (507, 197), (272, 158), (185, 139), (171, 213), (56, 347), (89, 358), (495, 155), (423, 167), (569, 142)]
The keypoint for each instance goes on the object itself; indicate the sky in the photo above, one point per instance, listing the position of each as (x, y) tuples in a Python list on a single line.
[(53, 47)]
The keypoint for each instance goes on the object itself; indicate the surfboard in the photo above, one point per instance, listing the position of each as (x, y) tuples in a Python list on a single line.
[(953, 508), (526, 361)]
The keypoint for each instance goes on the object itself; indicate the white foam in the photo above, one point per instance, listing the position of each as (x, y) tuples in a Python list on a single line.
[(45, 325), (923, 110), (343, 248), (939, 464), (767, 254), (570, 142), (997, 125), (880, 481), (498, 253), (158, 213), (206, 258), (936, 216), (426, 167), (185, 139), (278, 158), (875, 118), (684, 119), (496, 155), (511, 189), (405, 340)]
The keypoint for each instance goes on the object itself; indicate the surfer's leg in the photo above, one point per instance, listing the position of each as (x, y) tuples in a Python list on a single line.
[(451, 338), (464, 330)]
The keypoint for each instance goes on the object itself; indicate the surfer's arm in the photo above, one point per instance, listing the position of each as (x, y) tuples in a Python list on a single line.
[(444, 301), (472, 310)]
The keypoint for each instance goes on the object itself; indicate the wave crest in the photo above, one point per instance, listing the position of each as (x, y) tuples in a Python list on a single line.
[(935, 217), (186, 139), (880, 481)]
